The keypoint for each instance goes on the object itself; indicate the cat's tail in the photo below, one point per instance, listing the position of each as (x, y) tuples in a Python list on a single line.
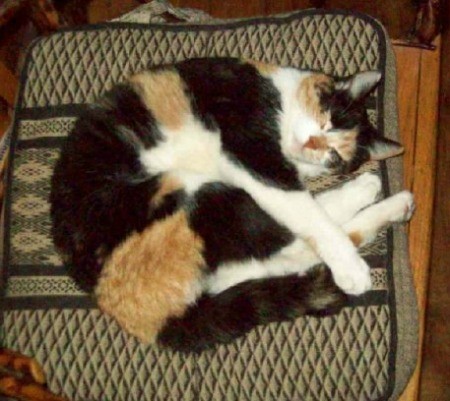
[(221, 318)]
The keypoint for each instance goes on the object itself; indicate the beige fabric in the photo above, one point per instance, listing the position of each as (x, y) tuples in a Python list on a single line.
[(159, 11)]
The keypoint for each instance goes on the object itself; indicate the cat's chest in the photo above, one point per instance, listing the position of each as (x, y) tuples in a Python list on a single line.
[(191, 152)]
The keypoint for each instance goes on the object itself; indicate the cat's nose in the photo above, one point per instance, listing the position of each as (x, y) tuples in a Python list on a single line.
[(334, 160)]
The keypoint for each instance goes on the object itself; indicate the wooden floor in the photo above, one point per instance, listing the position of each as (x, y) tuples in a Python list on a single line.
[(418, 80), (418, 92), (435, 383)]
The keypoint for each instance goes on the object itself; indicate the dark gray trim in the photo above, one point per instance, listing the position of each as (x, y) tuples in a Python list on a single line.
[(389, 238), (84, 301), (42, 113), (49, 302), (37, 270), (43, 142)]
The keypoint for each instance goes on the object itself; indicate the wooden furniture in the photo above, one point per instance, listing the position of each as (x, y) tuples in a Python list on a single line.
[(418, 97), (9, 85), (45, 18), (43, 15), (418, 89)]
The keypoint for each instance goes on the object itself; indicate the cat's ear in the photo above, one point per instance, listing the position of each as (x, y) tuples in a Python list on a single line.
[(360, 84), (383, 148)]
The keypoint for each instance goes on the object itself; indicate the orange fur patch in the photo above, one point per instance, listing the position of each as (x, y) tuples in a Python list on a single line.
[(316, 148), (168, 184), (356, 237), (163, 94), (316, 143), (308, 94), (152, 276), (263, 68), (344, 144)]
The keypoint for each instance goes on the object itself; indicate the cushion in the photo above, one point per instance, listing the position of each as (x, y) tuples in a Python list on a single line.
[(366, 352)]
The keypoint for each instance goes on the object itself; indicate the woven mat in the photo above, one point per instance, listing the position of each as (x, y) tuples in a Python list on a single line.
[(367, 352)]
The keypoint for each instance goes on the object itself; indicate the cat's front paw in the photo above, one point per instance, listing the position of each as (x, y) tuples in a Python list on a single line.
[(355, 280), (334, 161), (408, 206), (362, 191), (399, 207)]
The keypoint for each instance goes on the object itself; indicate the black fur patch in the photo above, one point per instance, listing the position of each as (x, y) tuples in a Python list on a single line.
[(224, 317), (347, 114), (100, 193), (245, 106), (169, 205), (233, 226)]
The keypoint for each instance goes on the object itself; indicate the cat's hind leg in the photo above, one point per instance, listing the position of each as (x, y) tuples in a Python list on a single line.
[(221, 316), (364, 227), (342, 203), (306, 219), (361, 229), (298, 257)]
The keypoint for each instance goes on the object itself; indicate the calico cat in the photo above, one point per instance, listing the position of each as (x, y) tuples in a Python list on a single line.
[(178, 198)]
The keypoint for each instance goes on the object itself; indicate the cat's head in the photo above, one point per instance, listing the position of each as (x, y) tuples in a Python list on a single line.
[(331, 127)]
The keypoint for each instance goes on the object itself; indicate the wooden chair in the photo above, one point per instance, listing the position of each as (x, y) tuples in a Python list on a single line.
[(418, 92), (45, 18)]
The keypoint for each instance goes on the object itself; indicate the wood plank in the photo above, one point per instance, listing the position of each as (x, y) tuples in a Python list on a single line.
[(408, 59), (236, 8), (97, 11), (204, 5), (398, 17), (302, 4), (278, 6), (103, 10), (420, 230), (434, 381)]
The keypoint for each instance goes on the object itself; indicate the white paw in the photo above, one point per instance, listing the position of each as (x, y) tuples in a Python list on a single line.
[(401, 206), (368, 185), (355, 279), (357, 194)]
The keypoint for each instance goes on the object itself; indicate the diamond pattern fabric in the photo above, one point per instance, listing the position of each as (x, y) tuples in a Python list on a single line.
[(86, 355), (76, 66), (334, 44)]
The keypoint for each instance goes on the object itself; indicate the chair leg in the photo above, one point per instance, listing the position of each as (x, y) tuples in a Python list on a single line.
[(9, 85)]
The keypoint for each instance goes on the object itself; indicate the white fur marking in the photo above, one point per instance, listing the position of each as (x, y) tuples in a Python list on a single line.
[(190, 153), (300, 213), (298, 257)]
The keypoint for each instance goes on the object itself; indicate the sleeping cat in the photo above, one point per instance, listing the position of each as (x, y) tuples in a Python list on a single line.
[(179, 198)]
